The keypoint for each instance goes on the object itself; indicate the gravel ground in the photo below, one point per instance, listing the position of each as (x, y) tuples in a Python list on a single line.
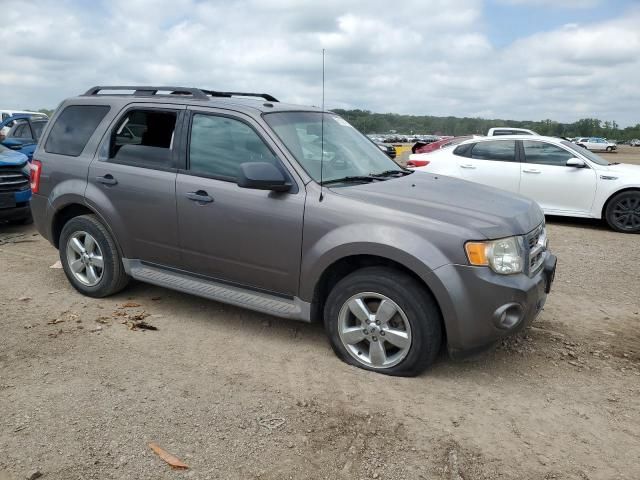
[(236, 394)]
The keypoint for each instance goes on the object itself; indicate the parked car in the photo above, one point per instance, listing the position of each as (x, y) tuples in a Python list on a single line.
[(596, 144), (420, 147), (563, 178), (390, 150), (230, 199), (635, 142), (496, 131), (24, 133), (15, 191), (5, 113)]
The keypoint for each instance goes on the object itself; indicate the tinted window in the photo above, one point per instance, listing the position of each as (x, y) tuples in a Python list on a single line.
[(37, 128), (501, 151), (219, 145), (545, 153), (21, 130), (148, 144), (73, 128), (463, 150)]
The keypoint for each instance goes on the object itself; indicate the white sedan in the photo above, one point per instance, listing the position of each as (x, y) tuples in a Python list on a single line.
[(563, 178)]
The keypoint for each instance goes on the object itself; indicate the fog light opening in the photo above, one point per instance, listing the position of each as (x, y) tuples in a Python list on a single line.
[(508, 316)]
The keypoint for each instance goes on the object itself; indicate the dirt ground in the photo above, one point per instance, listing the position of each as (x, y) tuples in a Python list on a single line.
[(239, 395)]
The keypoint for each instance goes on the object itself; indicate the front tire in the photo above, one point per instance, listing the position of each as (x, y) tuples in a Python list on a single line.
[(383, 320), (90, 257), (623, 212)]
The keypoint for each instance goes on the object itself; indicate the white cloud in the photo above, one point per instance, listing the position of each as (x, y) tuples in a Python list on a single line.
[(412, 58)]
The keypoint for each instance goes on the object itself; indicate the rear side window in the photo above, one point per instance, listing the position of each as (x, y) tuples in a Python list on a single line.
[(144, 138), (73, 128), (499, 151), (464, 150), (219, 145)]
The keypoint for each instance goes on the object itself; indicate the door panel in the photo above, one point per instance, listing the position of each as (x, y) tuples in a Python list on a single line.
[(556, 187), (141, 208), (133, 185), (244, 236), (492, 163), (239, 235)]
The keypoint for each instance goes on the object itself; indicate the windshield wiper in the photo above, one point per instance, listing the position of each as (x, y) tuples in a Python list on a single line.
[(388, 173), (355, 178)]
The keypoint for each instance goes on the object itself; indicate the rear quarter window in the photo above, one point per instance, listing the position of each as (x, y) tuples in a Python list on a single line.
[(73, 128)]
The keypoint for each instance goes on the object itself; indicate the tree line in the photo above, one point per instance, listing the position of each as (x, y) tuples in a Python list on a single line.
[(369, 122)]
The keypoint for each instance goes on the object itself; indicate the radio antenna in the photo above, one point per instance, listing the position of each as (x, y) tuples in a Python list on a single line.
[(322, 130)]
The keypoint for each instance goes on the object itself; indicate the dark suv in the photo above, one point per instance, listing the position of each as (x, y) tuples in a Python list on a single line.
[(289, 211)]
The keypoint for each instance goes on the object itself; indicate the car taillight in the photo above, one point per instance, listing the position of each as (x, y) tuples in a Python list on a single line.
[(417, 163), (36, 168)]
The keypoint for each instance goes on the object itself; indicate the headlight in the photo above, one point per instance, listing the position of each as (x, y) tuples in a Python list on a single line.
[(504, 256)]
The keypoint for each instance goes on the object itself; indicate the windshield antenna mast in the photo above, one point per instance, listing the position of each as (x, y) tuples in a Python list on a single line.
[(322, 130)]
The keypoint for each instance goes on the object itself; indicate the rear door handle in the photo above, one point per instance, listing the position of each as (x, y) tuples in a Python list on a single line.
[(107, 180), (531, 170), (200, 196), (467, 165)]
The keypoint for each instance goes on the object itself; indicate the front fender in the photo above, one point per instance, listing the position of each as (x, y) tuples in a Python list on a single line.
[(399, 245)]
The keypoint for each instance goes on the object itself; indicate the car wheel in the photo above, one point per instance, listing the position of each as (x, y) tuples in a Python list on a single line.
[(609, 149), (383, 320), (623, 212), (90, 257)]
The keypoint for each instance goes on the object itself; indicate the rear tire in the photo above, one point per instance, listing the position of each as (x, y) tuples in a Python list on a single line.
[(407, 339), (90, 257), (623, 212)]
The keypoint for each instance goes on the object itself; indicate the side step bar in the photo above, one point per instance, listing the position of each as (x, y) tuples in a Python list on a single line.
[(258, 301)]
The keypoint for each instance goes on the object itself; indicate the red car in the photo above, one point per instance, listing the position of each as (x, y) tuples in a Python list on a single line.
[(421, 147)]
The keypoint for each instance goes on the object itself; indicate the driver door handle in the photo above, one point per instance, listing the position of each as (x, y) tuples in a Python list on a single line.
[(531, 170), (107, 180), (467, 165), (200, 196)]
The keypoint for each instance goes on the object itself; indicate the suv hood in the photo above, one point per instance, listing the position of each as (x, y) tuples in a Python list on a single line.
[(491, 212)]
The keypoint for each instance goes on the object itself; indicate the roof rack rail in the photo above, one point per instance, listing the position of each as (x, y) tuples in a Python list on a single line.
[(266, 96), (199, 93)]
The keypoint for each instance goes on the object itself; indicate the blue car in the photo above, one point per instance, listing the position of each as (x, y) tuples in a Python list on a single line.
[(23, 132), (15, 187)]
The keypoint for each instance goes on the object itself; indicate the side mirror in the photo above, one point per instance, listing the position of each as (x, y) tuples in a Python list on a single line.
[(576, 162), (262, 176)]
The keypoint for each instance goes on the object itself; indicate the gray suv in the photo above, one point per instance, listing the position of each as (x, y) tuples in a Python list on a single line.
[(290, 211)]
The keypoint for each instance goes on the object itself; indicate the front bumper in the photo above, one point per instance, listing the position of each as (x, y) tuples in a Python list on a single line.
[(484, 307)]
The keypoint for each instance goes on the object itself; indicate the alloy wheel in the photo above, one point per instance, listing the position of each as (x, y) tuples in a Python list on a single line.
[(626, 213), (85, 259), (374, 330)]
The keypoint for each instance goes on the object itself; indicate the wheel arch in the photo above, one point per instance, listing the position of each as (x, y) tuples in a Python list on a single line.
[(603, 212), (346, 265), (70, 211)]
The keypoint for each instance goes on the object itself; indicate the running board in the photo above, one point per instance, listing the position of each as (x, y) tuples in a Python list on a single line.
[(258, 301)]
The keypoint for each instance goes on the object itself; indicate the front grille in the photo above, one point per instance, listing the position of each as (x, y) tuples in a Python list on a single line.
[(536, 240), (13, 180)]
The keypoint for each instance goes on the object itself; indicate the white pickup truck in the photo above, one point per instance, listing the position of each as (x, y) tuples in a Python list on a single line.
[(496, 131)]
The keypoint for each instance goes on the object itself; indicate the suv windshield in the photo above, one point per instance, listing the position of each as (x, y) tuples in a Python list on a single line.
[(585, 153), (348, 154)]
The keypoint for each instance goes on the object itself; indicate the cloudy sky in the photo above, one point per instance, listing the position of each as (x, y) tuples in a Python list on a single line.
[(517, 59)]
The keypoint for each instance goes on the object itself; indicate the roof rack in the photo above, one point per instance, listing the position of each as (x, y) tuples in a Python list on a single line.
[(198, 93)]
